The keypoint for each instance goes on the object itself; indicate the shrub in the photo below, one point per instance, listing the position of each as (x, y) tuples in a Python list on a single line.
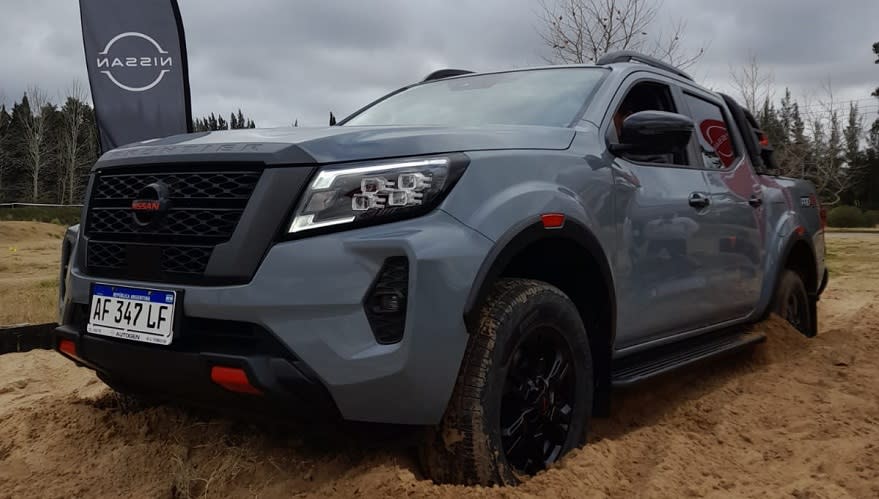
[(846, 216), (64, 215), (872, 217)]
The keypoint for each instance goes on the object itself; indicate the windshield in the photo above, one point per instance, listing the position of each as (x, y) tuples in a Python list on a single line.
[(549, 97)]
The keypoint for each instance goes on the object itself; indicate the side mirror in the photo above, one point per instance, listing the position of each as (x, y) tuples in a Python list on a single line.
[(654, 132)]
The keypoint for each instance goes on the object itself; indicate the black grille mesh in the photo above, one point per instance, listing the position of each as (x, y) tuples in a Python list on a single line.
[(205, 208), (185, 259), (194, 222), (199, 185), (106, 256)]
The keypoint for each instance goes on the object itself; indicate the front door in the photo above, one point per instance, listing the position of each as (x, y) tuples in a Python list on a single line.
[(667, 251), (667, 246)]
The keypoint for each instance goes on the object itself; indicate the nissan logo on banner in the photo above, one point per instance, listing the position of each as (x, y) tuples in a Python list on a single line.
[(136, 60)]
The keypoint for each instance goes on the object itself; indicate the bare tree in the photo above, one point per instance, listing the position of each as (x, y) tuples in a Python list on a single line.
[(752, 83), (581, 31), (829, 171), (35, 127), (74, 141)]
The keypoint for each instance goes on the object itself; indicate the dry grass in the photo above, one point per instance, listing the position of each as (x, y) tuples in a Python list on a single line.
[(29, 253)]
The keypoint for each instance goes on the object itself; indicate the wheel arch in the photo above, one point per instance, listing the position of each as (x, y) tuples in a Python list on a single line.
[(571, 258), (798, 255)]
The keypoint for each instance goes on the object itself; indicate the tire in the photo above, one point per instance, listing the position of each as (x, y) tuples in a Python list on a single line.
[(506, 377), (792, 303)]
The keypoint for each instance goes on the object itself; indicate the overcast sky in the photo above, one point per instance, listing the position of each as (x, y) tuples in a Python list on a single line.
[(281, 60)]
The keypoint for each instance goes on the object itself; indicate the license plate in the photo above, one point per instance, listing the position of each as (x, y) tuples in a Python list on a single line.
[(136, 314)]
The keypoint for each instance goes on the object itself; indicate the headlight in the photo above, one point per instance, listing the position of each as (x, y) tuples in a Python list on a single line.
[(375, 192)]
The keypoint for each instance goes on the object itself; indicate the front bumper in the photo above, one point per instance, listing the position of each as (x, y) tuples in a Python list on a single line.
[(308, 295), (286, 385)]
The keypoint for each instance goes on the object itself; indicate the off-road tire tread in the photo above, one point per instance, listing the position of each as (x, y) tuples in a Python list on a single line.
[(790, 280), (468, 458)]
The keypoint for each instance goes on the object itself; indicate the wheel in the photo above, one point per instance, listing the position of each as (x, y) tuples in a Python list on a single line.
[(792, 303), (524, 392)]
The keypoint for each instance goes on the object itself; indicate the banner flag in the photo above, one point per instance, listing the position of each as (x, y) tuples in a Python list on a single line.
[(135, 52)]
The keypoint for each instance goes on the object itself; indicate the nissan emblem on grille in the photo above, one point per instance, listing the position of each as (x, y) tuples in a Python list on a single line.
[(152, 202)]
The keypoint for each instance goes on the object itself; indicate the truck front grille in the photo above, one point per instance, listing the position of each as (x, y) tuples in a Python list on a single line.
[(188, 213)]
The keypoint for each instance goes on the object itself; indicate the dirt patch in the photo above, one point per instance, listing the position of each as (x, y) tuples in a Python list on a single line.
[(792, 418)]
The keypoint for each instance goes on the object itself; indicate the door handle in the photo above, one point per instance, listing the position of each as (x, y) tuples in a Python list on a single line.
[(755, 201), (699, 200)]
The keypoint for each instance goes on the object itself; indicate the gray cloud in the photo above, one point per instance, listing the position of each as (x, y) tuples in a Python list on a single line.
[(280, 60)]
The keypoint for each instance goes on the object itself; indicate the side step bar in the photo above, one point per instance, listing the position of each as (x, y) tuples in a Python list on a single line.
[(643, 366)]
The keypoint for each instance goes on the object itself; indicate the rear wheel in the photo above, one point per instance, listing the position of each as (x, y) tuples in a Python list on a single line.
[(792, 303), (524, 392)]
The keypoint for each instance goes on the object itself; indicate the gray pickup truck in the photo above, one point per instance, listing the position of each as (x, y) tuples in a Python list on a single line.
[(485, 255)]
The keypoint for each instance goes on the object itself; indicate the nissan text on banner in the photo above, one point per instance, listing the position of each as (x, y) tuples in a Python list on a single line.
[(136, 57)]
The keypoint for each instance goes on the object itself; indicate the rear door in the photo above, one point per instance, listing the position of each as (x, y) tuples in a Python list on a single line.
[(736, 215)]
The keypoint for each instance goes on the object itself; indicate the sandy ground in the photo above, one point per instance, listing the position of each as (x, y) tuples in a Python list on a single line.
[(793, 418)]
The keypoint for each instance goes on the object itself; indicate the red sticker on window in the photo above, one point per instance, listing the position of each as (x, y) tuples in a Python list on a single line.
[(716, 134)]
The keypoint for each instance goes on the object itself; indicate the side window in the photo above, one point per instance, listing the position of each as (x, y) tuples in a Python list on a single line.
[(712, 129), (647, 96)]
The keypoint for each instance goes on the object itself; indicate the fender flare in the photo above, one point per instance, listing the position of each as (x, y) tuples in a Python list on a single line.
[(519, 237)]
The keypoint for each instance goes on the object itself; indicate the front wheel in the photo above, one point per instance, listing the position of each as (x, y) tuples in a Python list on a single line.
[(524, 392), (792, 303)]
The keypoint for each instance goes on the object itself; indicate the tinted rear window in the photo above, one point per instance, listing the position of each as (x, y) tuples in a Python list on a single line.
[(713, 131)]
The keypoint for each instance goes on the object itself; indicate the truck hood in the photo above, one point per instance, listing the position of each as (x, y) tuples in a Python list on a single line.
[(292, 146)]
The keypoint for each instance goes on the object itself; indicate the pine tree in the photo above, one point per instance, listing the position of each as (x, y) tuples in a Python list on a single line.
[(771, 124), (785, 116), (221, 123), (852, 135), (5, 143), (870, 184), (241, 122), (798, 151), (233, 122), (876, 51), (834, 141), (852, 155)]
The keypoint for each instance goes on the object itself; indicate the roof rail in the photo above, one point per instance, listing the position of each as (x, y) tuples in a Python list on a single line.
[(632, 56), (446, 73)]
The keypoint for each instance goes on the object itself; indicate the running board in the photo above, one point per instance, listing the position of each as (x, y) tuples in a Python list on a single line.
[(643, 366)]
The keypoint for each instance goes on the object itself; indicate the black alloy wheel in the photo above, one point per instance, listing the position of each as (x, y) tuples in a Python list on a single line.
[(538, 401), (524, 392)]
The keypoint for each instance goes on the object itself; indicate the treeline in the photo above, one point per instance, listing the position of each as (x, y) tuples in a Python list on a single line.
[(834, 144), (829, 143), (47, 148), (216, 122)]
